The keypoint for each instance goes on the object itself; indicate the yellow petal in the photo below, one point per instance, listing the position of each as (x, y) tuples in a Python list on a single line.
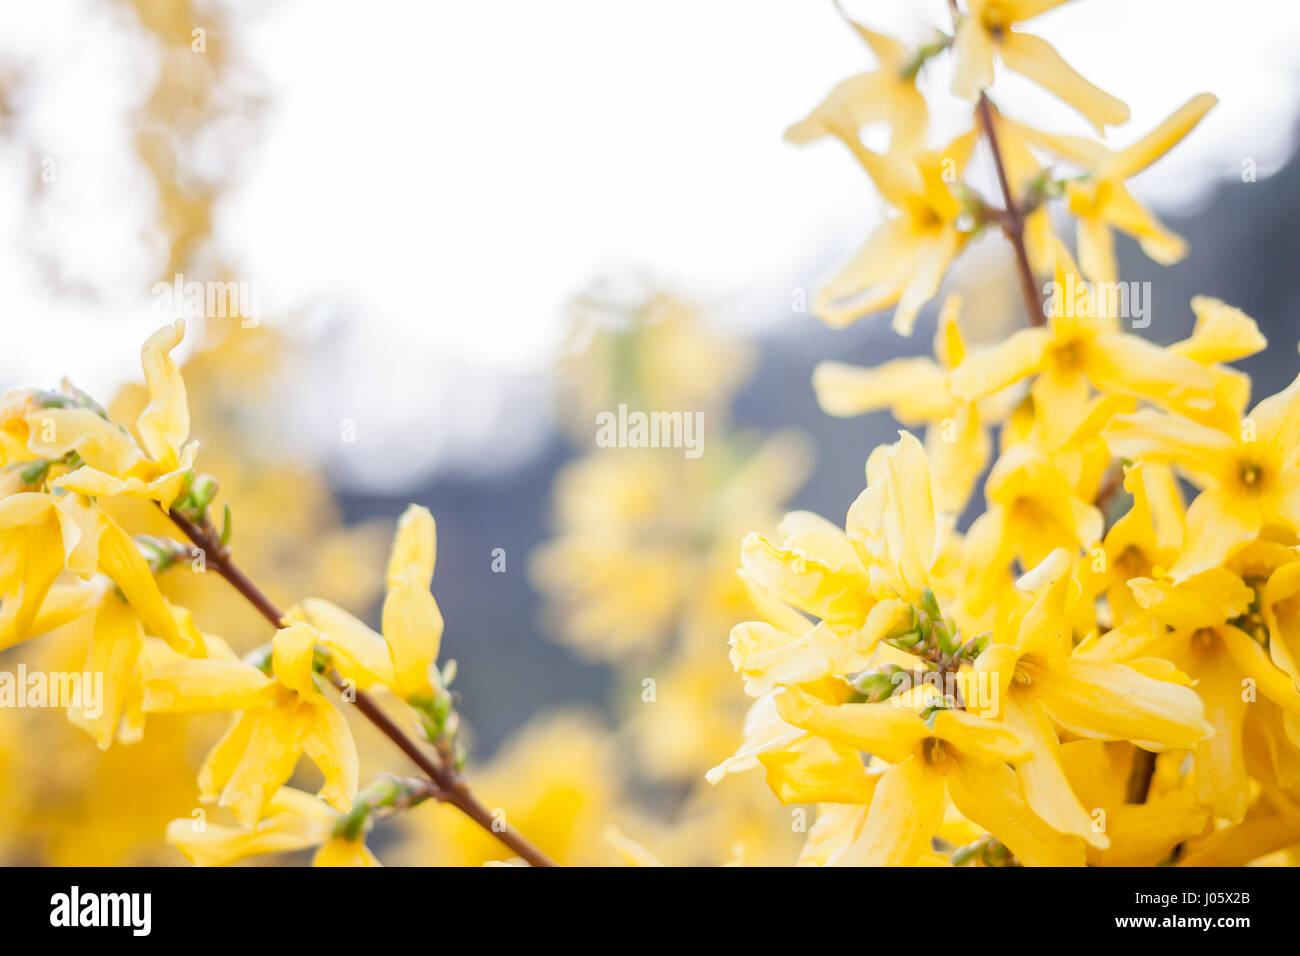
[(840, 597), (979, 739), (1017, 356), (415, 549), (1217, 525), (883, 729), (187, 685), (973, 63), (817, 772), (1254, 662), (165, 423), (360, 655), (292, 653), (992, 796), (274, 744), (121, 560), (412, 626), (906, 809), (1097, 250), (1129, 365), (327, 742), (1206, 600), (1153, 436), (102, 445), (114, 648), (1222, 334), (1046, 787), (1220, 767), (927, 274), (1033, 57), (873, 279), (1132, 160), (1109, 701), (915, 389), (342, 852)]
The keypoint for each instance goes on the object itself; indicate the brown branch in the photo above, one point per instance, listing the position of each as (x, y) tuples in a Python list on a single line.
[(1013, 220), (1010, 216), (450, 786)]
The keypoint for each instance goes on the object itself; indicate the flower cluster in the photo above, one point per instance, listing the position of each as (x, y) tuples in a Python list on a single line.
[(1094, 670), (65, 466)]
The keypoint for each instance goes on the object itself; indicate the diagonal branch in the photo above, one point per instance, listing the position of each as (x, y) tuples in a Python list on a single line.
[(452, 788)]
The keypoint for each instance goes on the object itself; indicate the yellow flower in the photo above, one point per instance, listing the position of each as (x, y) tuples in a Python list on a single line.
[(1249, 473), (885, 95), (987, 29), (1081, 344), (158, 467), (916, 392), (281, 717), (294, 821), (1144, 542), (1222, 659), (41, 535), (957, 752), (403, 657), (905, 258), (1140, 834), (1100, 202), (1033, 509), (858, 583), (1038, 678)]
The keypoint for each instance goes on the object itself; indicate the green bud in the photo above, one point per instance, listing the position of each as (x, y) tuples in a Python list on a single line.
[(35, 473), (931, 605), (974, 647), (875, 686), (963, 855)]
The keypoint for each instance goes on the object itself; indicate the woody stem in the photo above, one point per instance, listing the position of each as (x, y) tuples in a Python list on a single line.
[(1013, 220), (451, 788)]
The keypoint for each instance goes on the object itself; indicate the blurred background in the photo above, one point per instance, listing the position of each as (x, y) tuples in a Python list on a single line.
[(462, 230)]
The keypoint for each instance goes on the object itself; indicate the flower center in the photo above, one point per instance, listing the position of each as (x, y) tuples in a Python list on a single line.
[(934, 751)]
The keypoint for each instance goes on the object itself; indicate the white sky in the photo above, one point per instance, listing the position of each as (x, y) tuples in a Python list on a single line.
[(446, 174)]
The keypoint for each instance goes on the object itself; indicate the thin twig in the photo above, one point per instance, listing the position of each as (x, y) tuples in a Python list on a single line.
[(1011, 216), (450, 786), (1013, 220)]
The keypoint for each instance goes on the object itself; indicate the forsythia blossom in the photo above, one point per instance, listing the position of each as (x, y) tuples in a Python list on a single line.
[(1093, 671)]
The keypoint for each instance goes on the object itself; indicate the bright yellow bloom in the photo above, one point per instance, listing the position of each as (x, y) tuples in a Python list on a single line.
[(986, 29), (294, 821), (961, 753), (1039, 678), (1140, 834), (280, 717), (905, 258), (1249, 473), (1081, 345), (1144, 542), (157, 467), (1227, 664), (886, 95), (1100, 202), (402, 658), (858, 583)]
